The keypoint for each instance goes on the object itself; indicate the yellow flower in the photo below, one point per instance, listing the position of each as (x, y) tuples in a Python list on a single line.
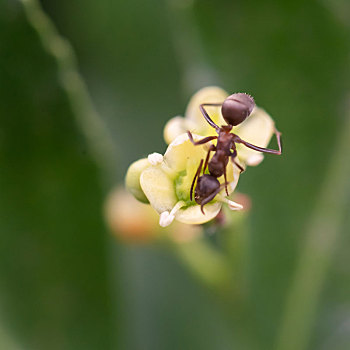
[(166, 183), (257, 129)]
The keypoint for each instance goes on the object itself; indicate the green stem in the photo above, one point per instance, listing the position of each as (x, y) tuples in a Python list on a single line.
[(88, 119), (219, 268), (206, 263), (222, 270), (320, 242)]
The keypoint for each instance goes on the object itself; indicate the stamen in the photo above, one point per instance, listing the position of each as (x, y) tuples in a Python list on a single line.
[(231, 204), (234, 206), (167, 218), (155, 158)]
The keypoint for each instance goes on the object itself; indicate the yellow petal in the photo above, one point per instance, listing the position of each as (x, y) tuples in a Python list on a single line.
[(233, 173), (257, 129), (175, 127), (181, 153), (168, 184), (193, 214), (210, 94), (158, 188)]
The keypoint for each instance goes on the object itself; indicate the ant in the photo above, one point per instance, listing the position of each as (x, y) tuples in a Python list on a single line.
[(235, 109)]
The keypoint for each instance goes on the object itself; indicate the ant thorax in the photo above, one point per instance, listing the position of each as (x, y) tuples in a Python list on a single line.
[(225, 139)]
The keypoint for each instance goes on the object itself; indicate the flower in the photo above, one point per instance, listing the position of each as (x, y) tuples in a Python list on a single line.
[(257, 129), (166, 183)]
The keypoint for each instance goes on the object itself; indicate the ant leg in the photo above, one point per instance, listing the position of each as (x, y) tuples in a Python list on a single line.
[(211, 148), (237, 139), (206, 115), (202, 141), (278, 138), (195, 177), (233, 156), (225, 177)]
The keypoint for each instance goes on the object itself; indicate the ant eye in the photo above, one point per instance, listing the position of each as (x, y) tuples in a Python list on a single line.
[(237, 107)]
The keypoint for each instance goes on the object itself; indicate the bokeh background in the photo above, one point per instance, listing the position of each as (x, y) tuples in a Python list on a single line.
[(86, 88)]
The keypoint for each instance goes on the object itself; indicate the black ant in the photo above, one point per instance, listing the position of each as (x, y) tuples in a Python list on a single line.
[(235, 109)]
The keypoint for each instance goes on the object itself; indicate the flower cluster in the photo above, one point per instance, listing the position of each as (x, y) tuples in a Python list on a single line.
[(164, 181)]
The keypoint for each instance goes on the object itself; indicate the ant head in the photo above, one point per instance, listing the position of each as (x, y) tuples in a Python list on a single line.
[(236, 108)]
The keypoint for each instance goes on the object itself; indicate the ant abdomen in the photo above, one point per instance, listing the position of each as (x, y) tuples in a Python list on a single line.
[(237, 107), (207, 185)]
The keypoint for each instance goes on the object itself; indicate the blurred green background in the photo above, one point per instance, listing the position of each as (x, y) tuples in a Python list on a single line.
[(75, 112)]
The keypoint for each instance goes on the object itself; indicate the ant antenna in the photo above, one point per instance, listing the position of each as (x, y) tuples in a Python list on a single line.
[(206, 115)]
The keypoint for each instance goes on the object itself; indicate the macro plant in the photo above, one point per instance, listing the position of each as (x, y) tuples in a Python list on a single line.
[(198, 168)]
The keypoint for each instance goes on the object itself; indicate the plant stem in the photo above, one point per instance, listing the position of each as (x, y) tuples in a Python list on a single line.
[(206, 263), (88, 119), (219, 266)]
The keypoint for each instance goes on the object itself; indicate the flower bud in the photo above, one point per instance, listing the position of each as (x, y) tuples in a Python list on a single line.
[(128, 219), (132, 179)]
